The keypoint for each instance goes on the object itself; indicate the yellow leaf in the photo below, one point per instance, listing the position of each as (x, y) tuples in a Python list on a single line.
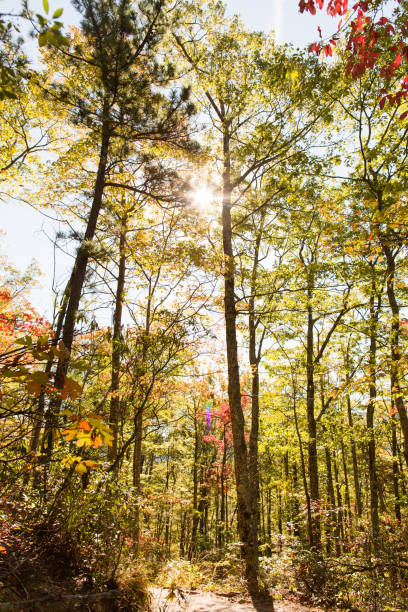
[(80, 468)]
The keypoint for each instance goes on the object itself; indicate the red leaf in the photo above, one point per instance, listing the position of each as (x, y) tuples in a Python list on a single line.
[(397, 60), (359, 22)]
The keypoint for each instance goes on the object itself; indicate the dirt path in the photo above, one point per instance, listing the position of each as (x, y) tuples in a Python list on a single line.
[(210, 602)]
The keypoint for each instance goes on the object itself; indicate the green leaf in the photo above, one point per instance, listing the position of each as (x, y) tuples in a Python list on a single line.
[(41, 20), (57, 13), (25, 341), (46, 6), (80, 364), (42, 39), (40, 377)]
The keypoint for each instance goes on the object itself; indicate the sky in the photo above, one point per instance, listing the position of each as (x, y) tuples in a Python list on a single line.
[(25, 234)]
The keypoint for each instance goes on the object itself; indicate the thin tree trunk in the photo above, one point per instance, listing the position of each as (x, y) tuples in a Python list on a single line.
[(346, 482), (372, 470), (254, 358), (193, 547), (395, 470), (304, 478), (35, 439), (117, 344), (331, 522), (311, 420), (396, 391), (223, 507), (356, 474), (339, 509)]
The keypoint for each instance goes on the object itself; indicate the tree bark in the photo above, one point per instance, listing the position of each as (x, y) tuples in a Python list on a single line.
[(254, 358), (395, 471), (311, 420), (396, 392), (245, 518), (76, 283), (137, 464), (117, 342), (356, 474), (372, 470)]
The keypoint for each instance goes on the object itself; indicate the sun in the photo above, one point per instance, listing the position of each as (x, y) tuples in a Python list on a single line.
[(202, 197)]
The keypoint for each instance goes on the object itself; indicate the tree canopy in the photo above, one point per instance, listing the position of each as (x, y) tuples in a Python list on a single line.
[(216, 398)]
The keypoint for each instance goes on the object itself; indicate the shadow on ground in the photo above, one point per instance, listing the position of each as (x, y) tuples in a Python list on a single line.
[(211, 602)]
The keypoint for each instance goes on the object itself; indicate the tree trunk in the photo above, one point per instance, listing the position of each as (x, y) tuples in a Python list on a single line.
[(339, 509), (311, 421), (356, 474), (372, 470), (35, 439), (77, 278), (254, 358), (76, 283), (193, 547), (395, 470), (304, 478), (223, 517), (346, 482), (245, 518), (137, 459), (117, 344), (396, 392), (331, 522)]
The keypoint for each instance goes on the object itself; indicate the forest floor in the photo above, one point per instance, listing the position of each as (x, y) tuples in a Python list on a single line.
[(196, 601)]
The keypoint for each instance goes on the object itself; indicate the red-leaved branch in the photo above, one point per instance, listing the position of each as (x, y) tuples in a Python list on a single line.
[(372, 41)]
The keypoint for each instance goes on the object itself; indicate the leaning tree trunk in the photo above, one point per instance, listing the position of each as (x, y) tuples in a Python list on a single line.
[(39, 414), (76, 283), (79, 270)]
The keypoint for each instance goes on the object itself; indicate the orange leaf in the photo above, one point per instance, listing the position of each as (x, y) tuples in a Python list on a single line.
[(34, 387), (84, 425), (97, 442)]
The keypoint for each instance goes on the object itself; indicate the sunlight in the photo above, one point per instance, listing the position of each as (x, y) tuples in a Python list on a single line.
[(202, 197)]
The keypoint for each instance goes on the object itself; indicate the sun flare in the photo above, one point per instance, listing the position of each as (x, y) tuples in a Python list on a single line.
[(202, 197)]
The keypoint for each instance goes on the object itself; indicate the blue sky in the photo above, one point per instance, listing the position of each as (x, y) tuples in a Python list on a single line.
[(27, 231), (283, 17)]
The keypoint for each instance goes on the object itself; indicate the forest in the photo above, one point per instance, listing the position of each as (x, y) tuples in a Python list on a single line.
[(211, 411)]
